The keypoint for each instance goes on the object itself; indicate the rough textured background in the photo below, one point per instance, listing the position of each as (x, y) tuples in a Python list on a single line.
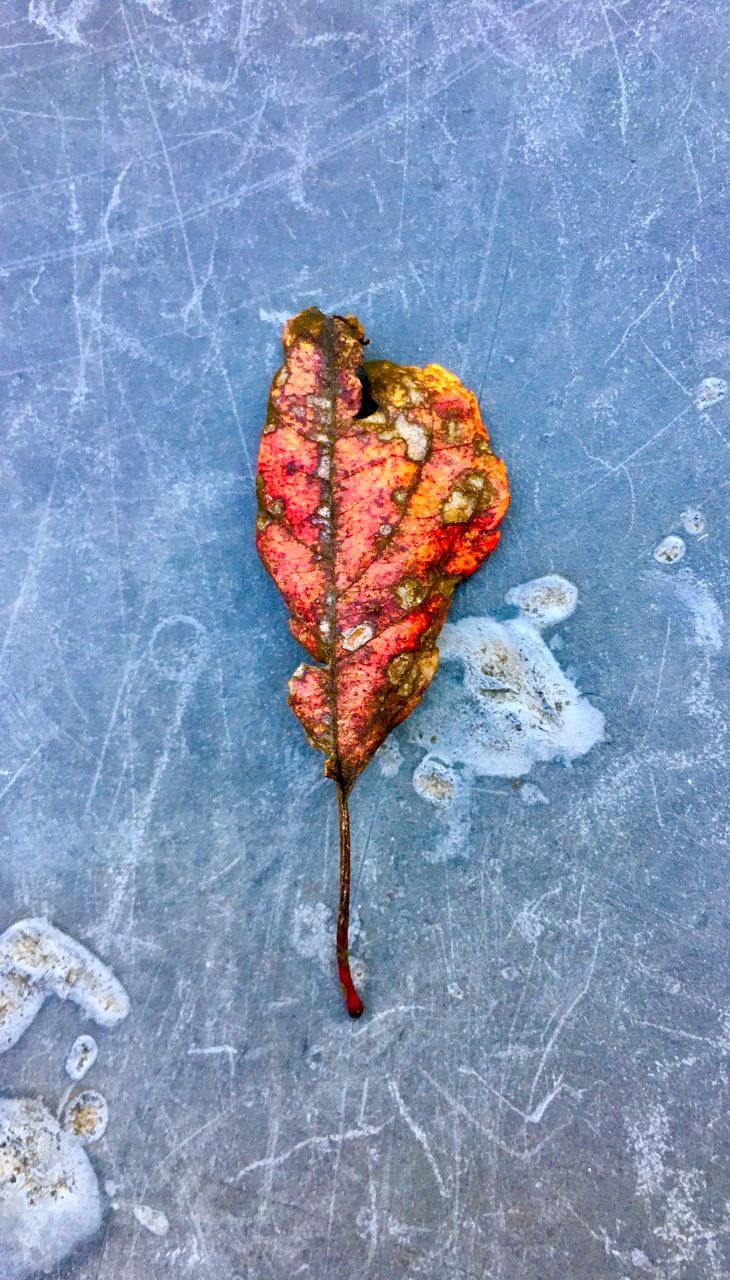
[(532, 195)]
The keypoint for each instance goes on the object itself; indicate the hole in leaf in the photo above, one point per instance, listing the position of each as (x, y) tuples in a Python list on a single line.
[(368, 405)]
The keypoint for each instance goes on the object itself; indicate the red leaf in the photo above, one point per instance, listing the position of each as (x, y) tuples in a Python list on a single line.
[(366, 525)]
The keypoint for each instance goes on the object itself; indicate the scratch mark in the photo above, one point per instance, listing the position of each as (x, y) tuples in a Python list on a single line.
[(194, 306), (232, 199), (130, 668), (625, 471), (372, 1223), (364, 1027), (20, 770), (530, 1117), (496, 322), (218, 875), (660, 820), (419, 1135), (693, 169), (114, 203), (406, 122), (664, 368), (35, 561), (614, 469), (624, 118), (165, 156), (486, 252), (190, 1137), (338, 1156), (566, 1014), (212, 1050), (322, 1140), (647, 311), (659, 680), (468, 1114), (671, 1031)]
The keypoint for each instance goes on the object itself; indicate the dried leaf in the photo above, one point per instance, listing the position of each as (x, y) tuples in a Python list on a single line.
[(366, 524)]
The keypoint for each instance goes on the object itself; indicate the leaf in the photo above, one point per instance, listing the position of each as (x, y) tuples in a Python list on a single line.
[(368, 518)]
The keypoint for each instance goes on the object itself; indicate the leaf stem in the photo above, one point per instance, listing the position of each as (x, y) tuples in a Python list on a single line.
[(352, 1000)]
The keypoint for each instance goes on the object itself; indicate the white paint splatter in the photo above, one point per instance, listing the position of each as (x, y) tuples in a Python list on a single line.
[(514, 706), (153, 1219), (86, 1116), (81, 1057), (37, 960), (710, 391), (670, 549), (49, 1194)]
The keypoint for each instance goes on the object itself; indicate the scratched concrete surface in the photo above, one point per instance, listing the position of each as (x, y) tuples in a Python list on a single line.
[(532, 194)]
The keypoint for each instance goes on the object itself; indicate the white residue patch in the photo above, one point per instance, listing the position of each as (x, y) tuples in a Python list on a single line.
[(513, 705), (435, 781), (710, 391), (37, 960), (670, 549), (650, 1139), (81, 1057), (530, 921), (313, 931), (273, 317), (62, 21), (86, 1116), (49, 1195), (389, 758), (694, 522), (545, 600), (641, 1259), (704, 611), (153, 1219), (676, 1198), (530, 794)]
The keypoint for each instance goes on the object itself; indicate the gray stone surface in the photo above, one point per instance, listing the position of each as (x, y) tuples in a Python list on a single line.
[(531, 194)]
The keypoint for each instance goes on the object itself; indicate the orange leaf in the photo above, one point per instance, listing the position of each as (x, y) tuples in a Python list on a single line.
[(366, 524)]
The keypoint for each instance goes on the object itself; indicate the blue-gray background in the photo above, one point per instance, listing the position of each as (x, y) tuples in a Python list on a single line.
[(532, 195)]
